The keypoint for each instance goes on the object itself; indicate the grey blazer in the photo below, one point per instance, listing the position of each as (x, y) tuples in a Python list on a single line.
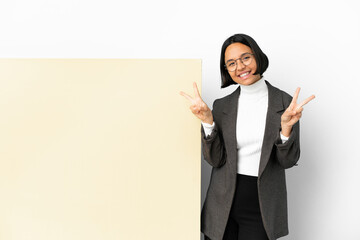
[(220, 151)]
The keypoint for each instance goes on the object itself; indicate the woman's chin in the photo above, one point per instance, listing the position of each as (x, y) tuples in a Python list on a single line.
[(247, 81)]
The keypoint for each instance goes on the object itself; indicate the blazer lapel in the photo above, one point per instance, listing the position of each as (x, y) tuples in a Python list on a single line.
[(272, 125), (229, 126)]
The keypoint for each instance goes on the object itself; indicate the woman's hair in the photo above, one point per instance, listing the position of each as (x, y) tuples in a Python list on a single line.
[(262, 61)]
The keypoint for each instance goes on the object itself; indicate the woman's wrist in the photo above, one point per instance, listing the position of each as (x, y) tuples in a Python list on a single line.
[(208, 121), (286, 130)]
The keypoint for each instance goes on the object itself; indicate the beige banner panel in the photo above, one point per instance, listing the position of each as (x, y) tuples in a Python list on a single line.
[(99, 149)]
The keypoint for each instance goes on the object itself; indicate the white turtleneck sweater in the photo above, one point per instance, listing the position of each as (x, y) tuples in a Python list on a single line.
[(250, 126)]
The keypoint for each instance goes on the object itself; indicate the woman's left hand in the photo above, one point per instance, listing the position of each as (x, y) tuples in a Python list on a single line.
[(293, 113)]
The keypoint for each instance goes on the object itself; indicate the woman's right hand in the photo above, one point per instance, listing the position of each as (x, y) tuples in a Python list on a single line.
[(198, 107)]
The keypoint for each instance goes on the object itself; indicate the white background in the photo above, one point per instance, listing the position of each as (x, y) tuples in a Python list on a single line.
[(311, 44)]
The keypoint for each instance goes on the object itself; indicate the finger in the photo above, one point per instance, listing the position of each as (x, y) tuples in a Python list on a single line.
[(295, 119), (295, 97), (186, 96), (197, 94), (298, 115), (194, 110), (298, 110), (288, 113), (293, 113), (306, 101)]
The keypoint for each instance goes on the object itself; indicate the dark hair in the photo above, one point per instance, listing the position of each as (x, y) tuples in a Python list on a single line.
[(262, 60)]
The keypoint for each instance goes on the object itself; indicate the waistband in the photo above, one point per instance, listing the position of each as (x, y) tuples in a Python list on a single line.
[(246, 177)]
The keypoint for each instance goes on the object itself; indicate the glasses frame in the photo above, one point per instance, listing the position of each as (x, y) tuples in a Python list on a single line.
[(240, 61)]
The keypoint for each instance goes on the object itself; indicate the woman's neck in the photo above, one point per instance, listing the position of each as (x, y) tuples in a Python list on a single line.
[(257, 87)]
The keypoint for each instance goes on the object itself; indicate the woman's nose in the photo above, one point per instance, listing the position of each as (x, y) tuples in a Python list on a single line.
[(239, 65)]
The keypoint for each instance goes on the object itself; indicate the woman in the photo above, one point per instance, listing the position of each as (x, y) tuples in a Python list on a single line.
[(249, 138)]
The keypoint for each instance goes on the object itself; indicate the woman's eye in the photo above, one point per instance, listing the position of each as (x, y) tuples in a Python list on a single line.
[(231, 64), (246, 58)]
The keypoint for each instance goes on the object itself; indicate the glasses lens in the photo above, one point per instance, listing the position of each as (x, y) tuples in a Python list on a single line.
[(246, 59), (231, 66)]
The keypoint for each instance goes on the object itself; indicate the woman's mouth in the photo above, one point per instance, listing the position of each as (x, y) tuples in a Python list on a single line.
[(244, 75)]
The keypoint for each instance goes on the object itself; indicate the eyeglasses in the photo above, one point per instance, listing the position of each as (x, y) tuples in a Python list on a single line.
[(245, 59)]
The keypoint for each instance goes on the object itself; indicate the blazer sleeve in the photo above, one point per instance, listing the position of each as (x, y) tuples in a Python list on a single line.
[(213, 147), (288, 153)]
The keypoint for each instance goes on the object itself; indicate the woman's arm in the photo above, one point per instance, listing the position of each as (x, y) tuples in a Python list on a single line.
[(288, 153), (213, 145)]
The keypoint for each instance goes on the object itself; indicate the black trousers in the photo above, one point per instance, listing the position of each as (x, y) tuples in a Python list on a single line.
[(245, 222)]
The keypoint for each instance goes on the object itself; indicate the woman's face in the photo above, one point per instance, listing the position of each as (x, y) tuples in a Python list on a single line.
[(235, 51)]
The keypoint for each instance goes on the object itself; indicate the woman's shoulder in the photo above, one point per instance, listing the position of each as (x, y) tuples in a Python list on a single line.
[(282, 92), (233, 96), (285, 96), (225, 99)]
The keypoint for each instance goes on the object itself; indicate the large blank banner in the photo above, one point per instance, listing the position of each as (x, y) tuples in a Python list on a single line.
[(99, 149)]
